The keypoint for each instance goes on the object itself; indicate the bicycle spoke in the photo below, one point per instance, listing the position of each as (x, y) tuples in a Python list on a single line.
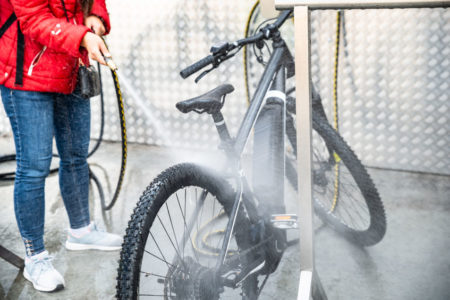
[(153, 274), (170, 267), (201, 211), (344, 208), (159, 249), (202, 197), (173, 230), (165, 230), (159, 258), (213, 210), (351, 207), (356, 205), (184, 219), (185, 197), (360, 203)]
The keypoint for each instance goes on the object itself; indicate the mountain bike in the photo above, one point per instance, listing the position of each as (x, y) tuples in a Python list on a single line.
[(203, 233)]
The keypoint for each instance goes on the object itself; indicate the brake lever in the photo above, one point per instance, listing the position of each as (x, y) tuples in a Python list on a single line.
[(204, 73), (215, 65)]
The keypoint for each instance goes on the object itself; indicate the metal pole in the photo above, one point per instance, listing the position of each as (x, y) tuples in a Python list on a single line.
[(360, 4), (11, 257), (308, 276), (304, 148)]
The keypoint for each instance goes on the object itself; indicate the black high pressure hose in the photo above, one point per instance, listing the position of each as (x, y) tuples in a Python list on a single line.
[(10, 176)]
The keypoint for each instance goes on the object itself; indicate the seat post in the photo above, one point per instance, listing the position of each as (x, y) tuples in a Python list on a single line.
[(222, 128)]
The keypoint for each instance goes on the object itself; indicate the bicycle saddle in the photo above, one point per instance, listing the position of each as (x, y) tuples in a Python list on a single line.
[(210, 102)]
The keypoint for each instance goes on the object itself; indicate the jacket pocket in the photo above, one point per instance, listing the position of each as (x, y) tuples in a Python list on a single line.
[(36, 60)]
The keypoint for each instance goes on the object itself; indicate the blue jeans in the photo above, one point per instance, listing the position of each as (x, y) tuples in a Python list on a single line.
[(35, 118)]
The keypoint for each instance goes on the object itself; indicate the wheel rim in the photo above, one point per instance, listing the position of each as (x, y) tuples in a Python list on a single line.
[(181, 251), (335, 189)]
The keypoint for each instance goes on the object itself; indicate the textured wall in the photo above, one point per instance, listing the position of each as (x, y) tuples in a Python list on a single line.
[(394, 76), (394, 92)]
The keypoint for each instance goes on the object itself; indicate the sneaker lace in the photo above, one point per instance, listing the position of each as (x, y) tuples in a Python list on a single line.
[(42, 265), (96, 228)]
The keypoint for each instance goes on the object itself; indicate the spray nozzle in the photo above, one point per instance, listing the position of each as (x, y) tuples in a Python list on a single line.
[(110, 62)]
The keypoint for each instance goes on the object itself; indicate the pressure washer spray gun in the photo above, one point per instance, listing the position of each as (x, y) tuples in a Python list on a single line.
[(110, 62)]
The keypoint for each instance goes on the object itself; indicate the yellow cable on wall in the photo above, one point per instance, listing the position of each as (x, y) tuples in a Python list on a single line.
[(335, 108), (247, 28)]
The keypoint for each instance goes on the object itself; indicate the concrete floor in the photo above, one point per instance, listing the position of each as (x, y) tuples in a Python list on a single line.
[(412, 261)]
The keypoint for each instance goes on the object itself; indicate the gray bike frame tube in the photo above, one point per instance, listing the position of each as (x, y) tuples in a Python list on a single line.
[(247, 124), (279, 84), (258, 99)]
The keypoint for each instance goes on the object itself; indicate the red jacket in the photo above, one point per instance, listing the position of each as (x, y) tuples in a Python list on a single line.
[(52, 45)]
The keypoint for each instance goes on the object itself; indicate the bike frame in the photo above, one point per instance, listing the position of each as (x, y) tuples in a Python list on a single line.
[(274, 76)]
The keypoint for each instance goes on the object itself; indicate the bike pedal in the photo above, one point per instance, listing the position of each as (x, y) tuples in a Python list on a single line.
[(285, 221)]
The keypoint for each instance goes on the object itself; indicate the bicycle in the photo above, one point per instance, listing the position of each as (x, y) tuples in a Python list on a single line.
[(201, 234)]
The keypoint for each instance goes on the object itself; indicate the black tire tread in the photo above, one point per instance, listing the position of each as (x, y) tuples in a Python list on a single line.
[(377, 228), (152, 199)]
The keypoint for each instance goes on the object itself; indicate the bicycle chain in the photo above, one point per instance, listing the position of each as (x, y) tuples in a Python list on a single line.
[(246, 251)]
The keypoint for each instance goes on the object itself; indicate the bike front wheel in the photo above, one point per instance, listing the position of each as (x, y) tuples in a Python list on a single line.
[(174, 237)]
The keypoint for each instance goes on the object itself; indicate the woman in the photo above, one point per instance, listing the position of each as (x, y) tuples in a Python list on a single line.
[(38, 76)]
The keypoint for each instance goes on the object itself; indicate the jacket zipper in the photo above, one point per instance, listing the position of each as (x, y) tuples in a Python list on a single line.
[(35, 60), (39, 55)]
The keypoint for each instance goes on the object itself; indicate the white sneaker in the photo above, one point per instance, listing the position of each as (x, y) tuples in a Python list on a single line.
[(39, 270), (94, 239)]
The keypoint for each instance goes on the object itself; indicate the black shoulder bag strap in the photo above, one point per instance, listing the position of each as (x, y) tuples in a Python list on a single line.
[(65, 10), (20, 47), (20, 56), (7, 24)]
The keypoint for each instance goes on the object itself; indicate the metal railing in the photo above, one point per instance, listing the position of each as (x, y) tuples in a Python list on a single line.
[(309, 285), (358, 4)]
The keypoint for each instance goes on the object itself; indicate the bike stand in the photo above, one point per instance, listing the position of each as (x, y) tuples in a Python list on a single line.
[(310, 285), (11, 258)]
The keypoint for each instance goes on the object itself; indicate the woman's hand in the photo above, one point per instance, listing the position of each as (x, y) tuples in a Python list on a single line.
[(95, 47), (95, 24)]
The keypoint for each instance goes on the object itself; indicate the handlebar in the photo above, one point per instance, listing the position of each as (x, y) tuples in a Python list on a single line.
[(185, 73), (224, 52)]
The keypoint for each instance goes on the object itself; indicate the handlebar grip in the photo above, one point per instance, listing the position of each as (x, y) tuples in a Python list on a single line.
[(197, 66)]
